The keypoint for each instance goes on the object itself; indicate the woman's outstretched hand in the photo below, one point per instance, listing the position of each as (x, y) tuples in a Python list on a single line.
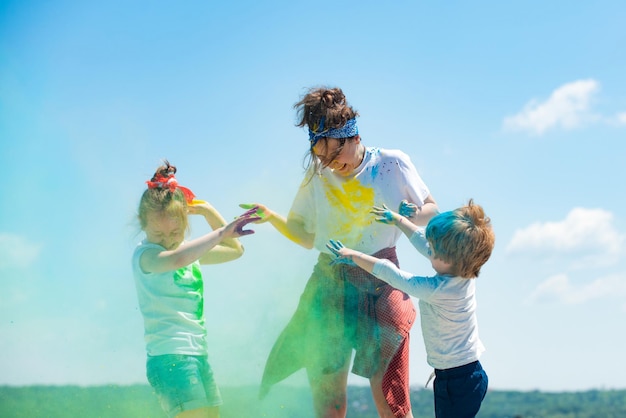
[(262, 212)]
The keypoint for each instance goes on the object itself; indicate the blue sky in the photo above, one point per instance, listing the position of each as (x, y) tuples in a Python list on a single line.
[(519, 105)]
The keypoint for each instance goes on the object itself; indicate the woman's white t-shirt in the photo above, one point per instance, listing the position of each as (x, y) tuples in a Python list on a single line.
[(336, 207)]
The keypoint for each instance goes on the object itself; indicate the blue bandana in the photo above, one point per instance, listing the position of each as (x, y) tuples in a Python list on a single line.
[(346, 131)]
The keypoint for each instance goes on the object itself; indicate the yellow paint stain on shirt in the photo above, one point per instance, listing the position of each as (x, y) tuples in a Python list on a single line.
[(353, 202)]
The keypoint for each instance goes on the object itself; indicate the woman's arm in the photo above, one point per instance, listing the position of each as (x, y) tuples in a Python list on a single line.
[(414, 190), (292, 227), (428, 211)]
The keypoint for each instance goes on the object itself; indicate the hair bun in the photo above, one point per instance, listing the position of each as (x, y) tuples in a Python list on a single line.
[(166, 170)]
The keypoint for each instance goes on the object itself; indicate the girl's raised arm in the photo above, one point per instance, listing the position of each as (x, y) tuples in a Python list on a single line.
[(159, 261)]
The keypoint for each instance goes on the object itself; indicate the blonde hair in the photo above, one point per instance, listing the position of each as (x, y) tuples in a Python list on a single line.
[(162, 199), (463, 237)]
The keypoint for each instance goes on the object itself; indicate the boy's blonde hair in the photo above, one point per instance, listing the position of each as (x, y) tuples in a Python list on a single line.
[(462, 237)]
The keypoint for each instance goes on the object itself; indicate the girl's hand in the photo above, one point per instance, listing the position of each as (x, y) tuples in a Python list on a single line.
[(344, 255), (262, 212), (235, 228), (200, 208), (385, 215)]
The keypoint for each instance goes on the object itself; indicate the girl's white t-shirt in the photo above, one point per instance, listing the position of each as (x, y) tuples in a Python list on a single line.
[(172, 305)]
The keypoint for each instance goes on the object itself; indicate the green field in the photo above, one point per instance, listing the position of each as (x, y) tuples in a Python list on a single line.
[(138, 401)]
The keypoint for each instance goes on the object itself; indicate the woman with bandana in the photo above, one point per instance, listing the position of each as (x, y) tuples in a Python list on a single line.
[(342, 307)]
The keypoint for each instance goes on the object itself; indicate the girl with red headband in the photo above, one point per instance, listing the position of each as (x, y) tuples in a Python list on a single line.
[(170, 291)]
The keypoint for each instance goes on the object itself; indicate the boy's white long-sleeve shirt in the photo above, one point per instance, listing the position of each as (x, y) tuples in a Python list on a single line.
[(447, 310)]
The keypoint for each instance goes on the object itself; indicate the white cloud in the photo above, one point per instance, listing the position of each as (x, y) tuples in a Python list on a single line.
[(17, 251), (568, 107), (588, 233), (561, 289), (620, 119)]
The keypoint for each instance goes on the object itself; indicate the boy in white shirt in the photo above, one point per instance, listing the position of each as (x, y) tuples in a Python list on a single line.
[(457, 243)]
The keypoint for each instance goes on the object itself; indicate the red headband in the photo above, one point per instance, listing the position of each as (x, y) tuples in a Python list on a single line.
[(161, 182)]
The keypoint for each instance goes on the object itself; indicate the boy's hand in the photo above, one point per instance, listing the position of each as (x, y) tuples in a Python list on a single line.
[(261, 211), (343, 254), (407, 209), (385, 215)]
